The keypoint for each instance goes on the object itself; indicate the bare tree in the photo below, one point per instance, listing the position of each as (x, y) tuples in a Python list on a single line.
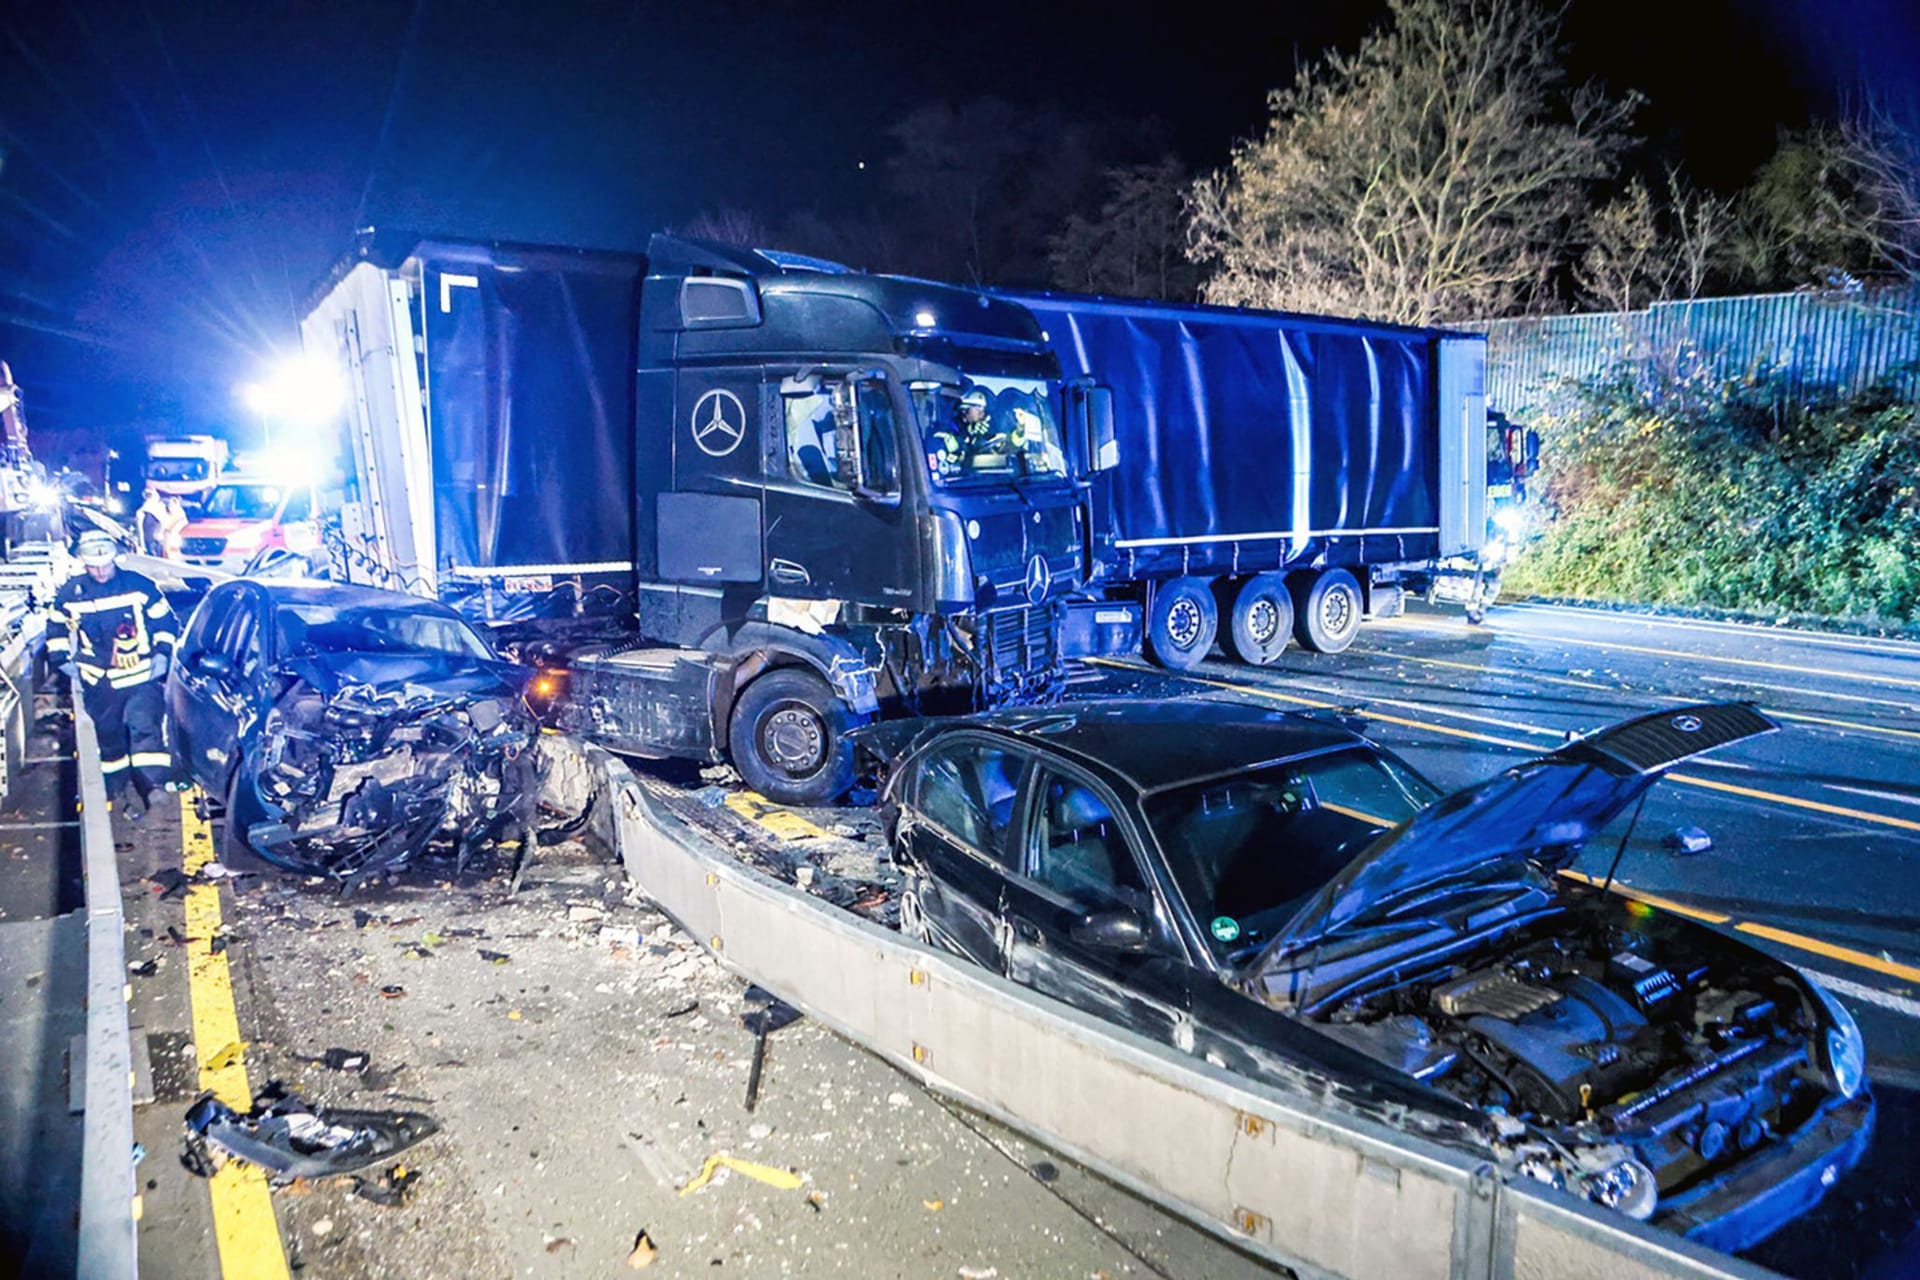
[(1135, 246), (1436, 173), (728, 225), (1833, 203), (1625, 265), (1885, 163), (1702, 230)]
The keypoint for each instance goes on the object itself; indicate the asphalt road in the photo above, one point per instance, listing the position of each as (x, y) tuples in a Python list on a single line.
[(1816, 828)]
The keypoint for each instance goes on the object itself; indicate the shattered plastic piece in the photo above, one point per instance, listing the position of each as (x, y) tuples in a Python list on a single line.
[(494, 957), (1688, 841), (393, 991), (169, 882), (323, 1227), (227, 1056), (711, 797), (556, 1243), (933, 1206), (644, 1251), (979, 1273), (144, 969), (290, 1139), (682, 1010), (391, 1190), (779, 1179), (342, 1059)]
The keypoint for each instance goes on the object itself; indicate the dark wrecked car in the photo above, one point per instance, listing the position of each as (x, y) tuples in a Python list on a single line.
[(1278, 895), (347, 729)]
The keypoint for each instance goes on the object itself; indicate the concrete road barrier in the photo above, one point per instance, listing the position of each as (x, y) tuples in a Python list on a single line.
[(1290, 1175)]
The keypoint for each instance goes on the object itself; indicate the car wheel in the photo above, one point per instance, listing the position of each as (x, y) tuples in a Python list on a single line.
[(1260, 619), (1326, 611), (788, 734), (244, 808), (1183, 624)]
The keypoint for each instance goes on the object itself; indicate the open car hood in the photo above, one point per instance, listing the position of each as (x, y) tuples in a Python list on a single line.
[(1540, 811)]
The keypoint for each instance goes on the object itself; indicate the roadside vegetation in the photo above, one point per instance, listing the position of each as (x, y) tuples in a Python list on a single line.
[(1730, 496)]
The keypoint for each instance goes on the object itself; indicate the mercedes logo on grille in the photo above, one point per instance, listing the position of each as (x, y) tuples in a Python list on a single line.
[(1039, 577), (1687, 724), (719, 422)]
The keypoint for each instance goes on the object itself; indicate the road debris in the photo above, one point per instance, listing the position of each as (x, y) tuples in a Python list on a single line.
[(289, 1138), (392, 1189), (355, 1060), (765, 1014), (644, 1252), (779, 1179)]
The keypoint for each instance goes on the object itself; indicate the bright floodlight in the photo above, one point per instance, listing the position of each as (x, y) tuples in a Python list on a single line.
[(297, 389), (923, 319)]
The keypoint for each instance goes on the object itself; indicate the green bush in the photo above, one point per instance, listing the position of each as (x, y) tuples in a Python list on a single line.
[(1728, 496)]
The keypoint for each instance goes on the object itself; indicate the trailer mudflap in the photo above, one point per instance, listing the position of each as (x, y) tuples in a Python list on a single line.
[(647, 702), (1101, 628)]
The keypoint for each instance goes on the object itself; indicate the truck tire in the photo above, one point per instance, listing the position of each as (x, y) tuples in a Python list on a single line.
[(1326, 610), (1183, 623), (1260, 619), (789, 738)]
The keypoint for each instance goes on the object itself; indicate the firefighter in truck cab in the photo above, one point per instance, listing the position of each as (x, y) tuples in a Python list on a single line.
[(114, 632)]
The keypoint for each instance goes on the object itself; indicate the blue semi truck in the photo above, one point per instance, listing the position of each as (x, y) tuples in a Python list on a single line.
[(717, 481), (1278, 476)]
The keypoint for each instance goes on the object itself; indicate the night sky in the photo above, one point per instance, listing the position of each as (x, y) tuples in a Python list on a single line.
[(174, 176)]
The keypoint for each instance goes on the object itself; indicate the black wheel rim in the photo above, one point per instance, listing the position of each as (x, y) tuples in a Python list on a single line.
[(793, 739)]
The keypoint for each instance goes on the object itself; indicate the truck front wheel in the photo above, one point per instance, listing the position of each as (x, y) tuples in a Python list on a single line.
[(1326, 610), (1183, 623), (789, 739), (1261, 619)]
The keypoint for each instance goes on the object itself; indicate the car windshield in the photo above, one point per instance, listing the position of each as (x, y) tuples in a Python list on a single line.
[(243, 502), (988, 429), (327, 629), (1248, 851), (177, 469)]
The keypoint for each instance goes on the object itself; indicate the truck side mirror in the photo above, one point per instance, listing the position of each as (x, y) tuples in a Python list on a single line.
[(1532, 448), (1102, 450), (850, 457)]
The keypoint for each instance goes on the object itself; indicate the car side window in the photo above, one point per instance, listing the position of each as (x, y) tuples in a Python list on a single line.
[(240, 639), (1079, 851), (968, 790), (204, 630)]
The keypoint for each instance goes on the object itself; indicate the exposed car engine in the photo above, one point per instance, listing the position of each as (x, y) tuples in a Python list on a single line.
[(1627, 1065), (366, 779)]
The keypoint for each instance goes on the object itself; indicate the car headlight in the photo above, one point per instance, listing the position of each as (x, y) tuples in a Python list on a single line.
[(1628, 1187), (1510, 520), (1844, 1050)]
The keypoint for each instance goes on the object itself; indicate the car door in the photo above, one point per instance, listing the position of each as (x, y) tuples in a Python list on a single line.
[(233, 695), (1080, 861), (956, 832), (191, 689)]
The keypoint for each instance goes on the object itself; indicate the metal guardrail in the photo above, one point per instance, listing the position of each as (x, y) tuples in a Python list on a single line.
[(109, 1197), (1279, 1168)]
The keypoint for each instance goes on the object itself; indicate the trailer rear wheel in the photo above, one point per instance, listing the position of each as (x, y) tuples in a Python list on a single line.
[(789, 738), (1260, 621), (1183, 623), (1326, 610)]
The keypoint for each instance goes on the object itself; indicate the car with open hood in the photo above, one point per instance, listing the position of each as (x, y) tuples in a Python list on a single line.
[(349, 730), (1278, 895)]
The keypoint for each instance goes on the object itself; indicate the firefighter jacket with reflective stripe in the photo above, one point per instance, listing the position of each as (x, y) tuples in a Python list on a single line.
[(112, 629)]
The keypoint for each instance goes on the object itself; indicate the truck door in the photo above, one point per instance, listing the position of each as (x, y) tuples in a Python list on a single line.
[(837, 523)]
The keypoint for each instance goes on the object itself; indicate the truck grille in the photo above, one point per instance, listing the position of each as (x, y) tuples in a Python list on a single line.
[(1020, 639), (203, 546)]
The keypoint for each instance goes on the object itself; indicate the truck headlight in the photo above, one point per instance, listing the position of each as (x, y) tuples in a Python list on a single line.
[(1842, 1046), (1510, 520)]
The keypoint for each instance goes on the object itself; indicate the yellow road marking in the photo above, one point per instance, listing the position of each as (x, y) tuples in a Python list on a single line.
[(243, 1221), (1846, 955), (1841, 724), (784, 823), (1483, 669), (1798, 670), (1838, 811), (1652, 900)]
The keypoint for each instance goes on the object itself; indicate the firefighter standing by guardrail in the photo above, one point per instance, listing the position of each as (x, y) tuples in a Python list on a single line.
[(114, 632)]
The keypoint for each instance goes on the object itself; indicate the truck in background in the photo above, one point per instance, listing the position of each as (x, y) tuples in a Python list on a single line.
[(187, 467), (716, 480), (1279, 476)]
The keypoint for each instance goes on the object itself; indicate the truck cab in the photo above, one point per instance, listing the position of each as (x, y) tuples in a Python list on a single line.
[(844, 495)]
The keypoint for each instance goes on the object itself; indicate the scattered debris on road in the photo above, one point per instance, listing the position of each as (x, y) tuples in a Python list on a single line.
[(288, 1138)]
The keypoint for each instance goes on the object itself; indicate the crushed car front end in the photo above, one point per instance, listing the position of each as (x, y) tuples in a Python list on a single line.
[(358, 770)]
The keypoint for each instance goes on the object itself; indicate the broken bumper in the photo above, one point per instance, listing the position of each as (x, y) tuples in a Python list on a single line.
[(1766, 1193)]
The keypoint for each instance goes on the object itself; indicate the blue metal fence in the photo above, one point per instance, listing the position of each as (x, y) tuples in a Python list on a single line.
[(1806, 342)]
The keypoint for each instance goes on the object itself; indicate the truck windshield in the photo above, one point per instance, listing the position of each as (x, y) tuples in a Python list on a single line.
[(177, 469), (244, 502), (988, 429)]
